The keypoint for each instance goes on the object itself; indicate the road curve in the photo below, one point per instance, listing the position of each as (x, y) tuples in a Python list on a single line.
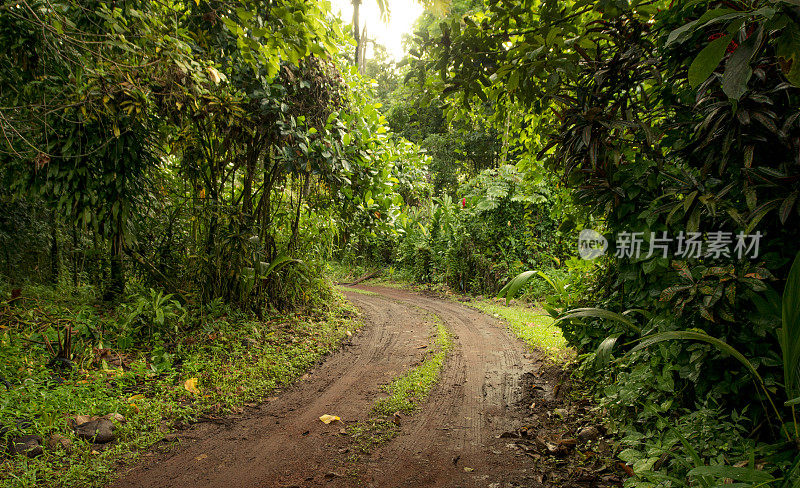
[(452, 441)]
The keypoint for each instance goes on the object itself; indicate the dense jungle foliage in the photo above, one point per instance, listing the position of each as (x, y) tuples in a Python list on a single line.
[(166, 162)]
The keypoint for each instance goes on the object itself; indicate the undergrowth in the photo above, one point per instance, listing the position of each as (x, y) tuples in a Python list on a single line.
[(235, 359)]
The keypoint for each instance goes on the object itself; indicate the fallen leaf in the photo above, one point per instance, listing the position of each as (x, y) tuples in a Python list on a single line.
[(136, 397), (469, 470), (627, 469), (201, 457), (191, 386), (116, 416), (95, 453), (326, 419), (82, 419)]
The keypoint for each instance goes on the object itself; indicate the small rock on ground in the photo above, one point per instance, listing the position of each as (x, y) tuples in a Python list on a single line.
[(99, 431), (29, 445), (58, 441)]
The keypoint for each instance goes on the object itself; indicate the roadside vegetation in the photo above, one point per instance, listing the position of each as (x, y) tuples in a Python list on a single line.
[(180, 181), (532, 325), (148, 391)]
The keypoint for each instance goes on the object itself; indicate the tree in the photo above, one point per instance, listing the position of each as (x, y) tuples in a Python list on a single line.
[(439, 6)]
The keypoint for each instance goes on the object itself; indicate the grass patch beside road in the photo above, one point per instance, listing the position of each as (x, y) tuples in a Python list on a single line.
[(531, 325), (221, 362)]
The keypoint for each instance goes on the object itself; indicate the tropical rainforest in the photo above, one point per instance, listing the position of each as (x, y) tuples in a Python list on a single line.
[(183, 183)]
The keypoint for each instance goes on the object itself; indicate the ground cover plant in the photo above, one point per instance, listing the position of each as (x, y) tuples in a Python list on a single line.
[(184, 182), (222, 364)]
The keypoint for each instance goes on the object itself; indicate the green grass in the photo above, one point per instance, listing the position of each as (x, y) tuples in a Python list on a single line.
[(237, 361), (407, 392), (389, 277), (531, 325), (406, 395), (355, 290)]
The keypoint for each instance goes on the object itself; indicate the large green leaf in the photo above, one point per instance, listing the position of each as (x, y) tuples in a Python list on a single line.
[(707, 61), (790, 331), (734, 473), (604, 350), (513, 287), (600, 313), (279, 262), (738, 71)]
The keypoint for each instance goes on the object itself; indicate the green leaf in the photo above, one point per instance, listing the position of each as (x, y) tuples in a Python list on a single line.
[(789, 334), (707, 60), (604, 350), (732, 472), (680, 32), (738, 71), (599, 313), (513, 287)]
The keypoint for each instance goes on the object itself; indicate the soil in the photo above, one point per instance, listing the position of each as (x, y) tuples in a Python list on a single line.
[(489, 422)]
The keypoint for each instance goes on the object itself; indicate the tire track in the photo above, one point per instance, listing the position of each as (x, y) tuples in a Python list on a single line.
[(283, 443), (451, 441)]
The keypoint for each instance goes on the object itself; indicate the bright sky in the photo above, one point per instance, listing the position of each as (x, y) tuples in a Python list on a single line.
[(402, 16)]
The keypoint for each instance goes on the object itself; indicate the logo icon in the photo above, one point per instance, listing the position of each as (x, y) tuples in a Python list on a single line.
[(591, 244)]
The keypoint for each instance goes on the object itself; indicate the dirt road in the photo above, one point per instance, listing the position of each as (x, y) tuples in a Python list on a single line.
[(451, 441)]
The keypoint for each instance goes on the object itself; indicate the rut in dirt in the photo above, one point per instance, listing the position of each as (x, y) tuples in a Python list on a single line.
[(453, 440)]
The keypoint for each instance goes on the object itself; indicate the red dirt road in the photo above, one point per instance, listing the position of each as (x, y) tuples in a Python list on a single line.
[(452, 441)]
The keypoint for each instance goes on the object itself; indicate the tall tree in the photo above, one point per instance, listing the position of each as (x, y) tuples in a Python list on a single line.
[(438, 6)]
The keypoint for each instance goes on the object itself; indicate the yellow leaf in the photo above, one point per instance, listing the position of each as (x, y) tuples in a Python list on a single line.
[(136, 397), (116, 131), (329, 418), (191, 386), (214, 75), (197, 2)]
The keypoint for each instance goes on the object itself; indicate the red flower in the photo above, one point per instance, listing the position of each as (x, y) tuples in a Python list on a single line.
[(463, 203)]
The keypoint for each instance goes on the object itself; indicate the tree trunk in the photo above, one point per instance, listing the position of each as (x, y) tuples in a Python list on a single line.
[(54, 263), (296, 223), (74, 254), (116, 285), (357, 31)]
